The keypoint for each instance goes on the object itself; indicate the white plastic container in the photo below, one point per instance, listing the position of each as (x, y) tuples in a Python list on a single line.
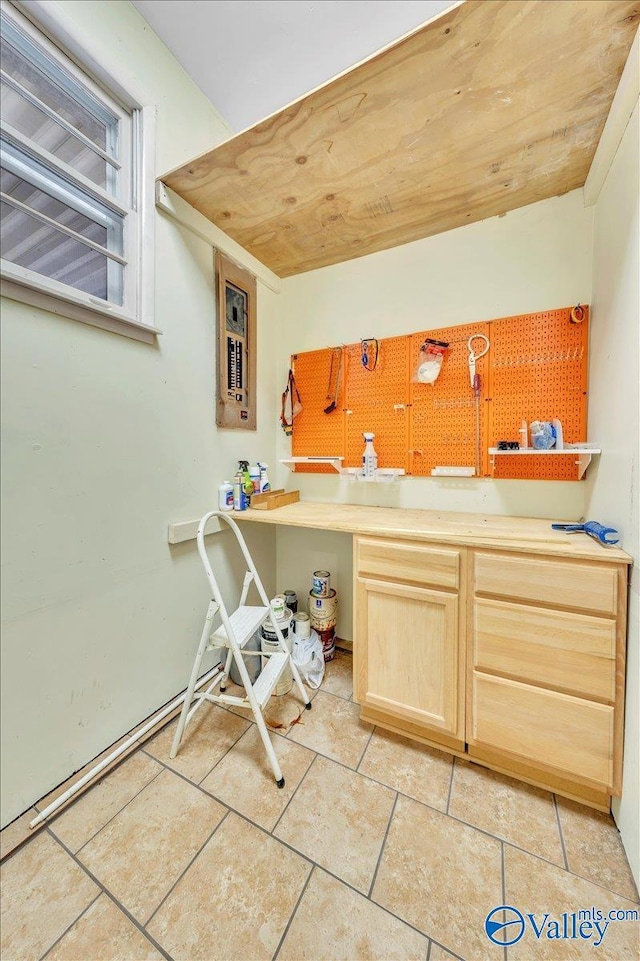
[(239, 496), (369, 458), (225, 496), (254, 474), (264, 480), (277, 606)]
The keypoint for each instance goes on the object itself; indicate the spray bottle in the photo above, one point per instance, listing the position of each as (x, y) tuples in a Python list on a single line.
[(247, 483), (264, 480), (369, 458)]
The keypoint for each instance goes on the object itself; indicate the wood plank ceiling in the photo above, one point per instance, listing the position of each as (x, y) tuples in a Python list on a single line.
[(493, 105)]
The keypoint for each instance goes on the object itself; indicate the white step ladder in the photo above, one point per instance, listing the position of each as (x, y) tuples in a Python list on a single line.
[(234, 632)]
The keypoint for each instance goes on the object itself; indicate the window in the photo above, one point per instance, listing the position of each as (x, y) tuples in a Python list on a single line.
[(71, 180)]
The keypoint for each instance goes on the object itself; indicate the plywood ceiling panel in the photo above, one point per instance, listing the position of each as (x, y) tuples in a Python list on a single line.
[(494, 105)]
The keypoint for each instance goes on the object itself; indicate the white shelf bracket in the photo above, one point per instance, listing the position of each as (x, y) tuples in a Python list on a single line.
[(335, 462), (582, 463)]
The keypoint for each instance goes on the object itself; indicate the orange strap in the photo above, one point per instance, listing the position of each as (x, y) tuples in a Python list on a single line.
[(289, 393)]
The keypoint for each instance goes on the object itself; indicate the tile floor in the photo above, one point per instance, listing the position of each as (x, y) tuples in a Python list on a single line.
[(377, 848)]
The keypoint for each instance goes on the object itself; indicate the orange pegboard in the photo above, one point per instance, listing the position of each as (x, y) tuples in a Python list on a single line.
[(442, 419), (535, 369), (377, 400), (316, 434), (539, 367)]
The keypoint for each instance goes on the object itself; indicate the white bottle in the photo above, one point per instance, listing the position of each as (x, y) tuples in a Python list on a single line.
[(264, 480), (254, 474), (369, 458), (225, 496), (239, 496)]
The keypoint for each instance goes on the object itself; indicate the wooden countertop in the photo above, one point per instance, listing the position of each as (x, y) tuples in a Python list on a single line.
[(526, 534)]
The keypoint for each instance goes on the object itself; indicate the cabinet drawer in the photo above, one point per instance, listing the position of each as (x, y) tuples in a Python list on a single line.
[(566, 733), (559, 649), (407, 561), (559, 583)]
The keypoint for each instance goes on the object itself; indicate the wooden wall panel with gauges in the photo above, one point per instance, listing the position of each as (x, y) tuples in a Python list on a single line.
[(236, 353)]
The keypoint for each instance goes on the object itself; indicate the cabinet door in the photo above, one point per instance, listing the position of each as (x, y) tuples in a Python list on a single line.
[(406, 653)]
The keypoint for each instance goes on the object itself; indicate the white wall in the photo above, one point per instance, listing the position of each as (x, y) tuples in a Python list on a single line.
[(535, 258), (614, 379), (106, 441)]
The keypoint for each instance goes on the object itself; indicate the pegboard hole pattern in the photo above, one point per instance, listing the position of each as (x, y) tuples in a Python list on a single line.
[(316, 434), (377, 400), (443, 414), (535, 369), (538, 372)]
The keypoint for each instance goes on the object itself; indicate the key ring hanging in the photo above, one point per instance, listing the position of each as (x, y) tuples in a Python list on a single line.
[(369, 353), (473, 357)]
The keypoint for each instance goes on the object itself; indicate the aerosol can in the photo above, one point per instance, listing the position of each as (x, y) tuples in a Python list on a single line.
[(369, 458)]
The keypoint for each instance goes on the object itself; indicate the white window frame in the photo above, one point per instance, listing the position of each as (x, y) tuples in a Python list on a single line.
[(136, 317)]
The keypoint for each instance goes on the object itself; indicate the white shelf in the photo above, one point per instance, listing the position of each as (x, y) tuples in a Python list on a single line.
[(533, 450), (453, 472), (383, 475), (335, 462), (583, 453)]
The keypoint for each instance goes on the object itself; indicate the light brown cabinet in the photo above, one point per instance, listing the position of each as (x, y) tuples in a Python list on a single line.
[(567, 734), (408, 667), (546, 667), (495, 638), (514, 660)]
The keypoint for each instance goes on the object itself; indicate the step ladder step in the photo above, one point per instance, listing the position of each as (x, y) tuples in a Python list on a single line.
[(245, 621), (270, 676)]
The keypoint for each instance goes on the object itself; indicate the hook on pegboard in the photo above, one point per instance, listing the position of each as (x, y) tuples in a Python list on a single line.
[(577, 314)]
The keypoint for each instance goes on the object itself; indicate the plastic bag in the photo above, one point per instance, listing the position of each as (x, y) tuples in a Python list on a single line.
[(308, 657), (543, 435), (430, 361)]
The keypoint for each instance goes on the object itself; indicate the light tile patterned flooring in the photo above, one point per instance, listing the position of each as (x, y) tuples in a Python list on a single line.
[(377, 848)]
